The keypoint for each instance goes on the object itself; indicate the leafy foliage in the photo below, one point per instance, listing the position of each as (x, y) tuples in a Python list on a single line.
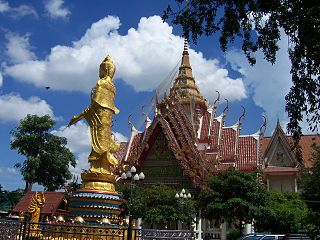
[(10, 198), (239, 198), (310, 180), (157, 205), (258, 24), (287, 213), (235, 197), (47, 157), (234, 234)]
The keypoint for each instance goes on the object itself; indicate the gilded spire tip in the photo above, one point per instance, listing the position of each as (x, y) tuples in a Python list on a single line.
[(185, 48)]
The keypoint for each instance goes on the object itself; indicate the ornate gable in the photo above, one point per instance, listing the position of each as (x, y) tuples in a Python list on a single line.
[(188, 132), (159, 162), (278, 152)]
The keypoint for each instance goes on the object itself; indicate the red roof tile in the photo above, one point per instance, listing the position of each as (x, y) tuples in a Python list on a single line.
[(134, 147), (215, 129), (306, 142), (122, 151), (228, 143), (205, 126), (51, 205), (247, 157), (307, 151)]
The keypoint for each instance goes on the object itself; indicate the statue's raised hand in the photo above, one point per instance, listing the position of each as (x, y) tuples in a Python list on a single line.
[(75, 119)]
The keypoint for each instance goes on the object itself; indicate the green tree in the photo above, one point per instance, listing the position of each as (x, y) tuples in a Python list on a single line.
[(235, 197), (47, 157), (258, 24), (9, 198), (310, 180), (287, 213), (310, 191), (157, 205)]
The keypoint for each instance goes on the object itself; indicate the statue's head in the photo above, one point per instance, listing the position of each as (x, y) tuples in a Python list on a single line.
[(107, 67), (108, 58)]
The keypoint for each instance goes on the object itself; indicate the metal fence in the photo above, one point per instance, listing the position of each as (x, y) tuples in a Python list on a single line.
[(163, 234), (9, 229), (68, 231)]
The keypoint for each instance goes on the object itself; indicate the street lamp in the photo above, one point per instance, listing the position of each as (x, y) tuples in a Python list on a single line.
[(182, 197), (132, 176)]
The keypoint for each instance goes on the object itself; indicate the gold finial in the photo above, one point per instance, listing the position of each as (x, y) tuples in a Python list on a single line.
[(216, 102), (243, 114), (264, 124), (185, 47), (129, 121)]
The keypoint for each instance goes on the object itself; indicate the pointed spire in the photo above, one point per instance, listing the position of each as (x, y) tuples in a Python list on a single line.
[(184, 87), (185, 55)]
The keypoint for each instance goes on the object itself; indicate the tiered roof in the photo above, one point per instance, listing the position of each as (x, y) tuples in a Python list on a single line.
[(199, 139)]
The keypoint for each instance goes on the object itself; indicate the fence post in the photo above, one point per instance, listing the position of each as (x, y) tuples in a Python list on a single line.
[(129, 236), (24, 226)]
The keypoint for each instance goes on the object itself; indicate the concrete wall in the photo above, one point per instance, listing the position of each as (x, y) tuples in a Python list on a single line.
[(284, 183)]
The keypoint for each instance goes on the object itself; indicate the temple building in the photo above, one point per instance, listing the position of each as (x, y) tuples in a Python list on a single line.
[(280, 166), (187, 140)]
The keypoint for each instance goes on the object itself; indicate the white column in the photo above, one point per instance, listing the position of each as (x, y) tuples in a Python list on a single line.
[(223, 230), (139, 223), (205, 227), (179, 225), (199, 228), (295, 184), (247, 228), (268, 184)]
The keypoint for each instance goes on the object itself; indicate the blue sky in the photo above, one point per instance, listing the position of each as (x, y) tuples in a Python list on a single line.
[(59, 43)]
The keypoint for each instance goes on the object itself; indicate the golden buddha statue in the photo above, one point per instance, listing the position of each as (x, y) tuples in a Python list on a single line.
[(99, 117)]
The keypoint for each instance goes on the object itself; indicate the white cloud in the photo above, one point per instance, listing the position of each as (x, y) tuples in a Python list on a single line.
[(143, 57), (14, 108), (10, 178), (9, 170), (55, 9), (1, 79), (24, 10), (78, 137), (82, 164), (119, 137), (18, 48), (16, 12), (211, 78), (4, 6), (267, 83)]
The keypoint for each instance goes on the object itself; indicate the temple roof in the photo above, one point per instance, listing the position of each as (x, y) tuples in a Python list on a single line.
[(197, 135), (54, 203), (306, 142), (184, 88)]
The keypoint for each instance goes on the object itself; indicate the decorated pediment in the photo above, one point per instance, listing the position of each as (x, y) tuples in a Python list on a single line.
[(278, 152)]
